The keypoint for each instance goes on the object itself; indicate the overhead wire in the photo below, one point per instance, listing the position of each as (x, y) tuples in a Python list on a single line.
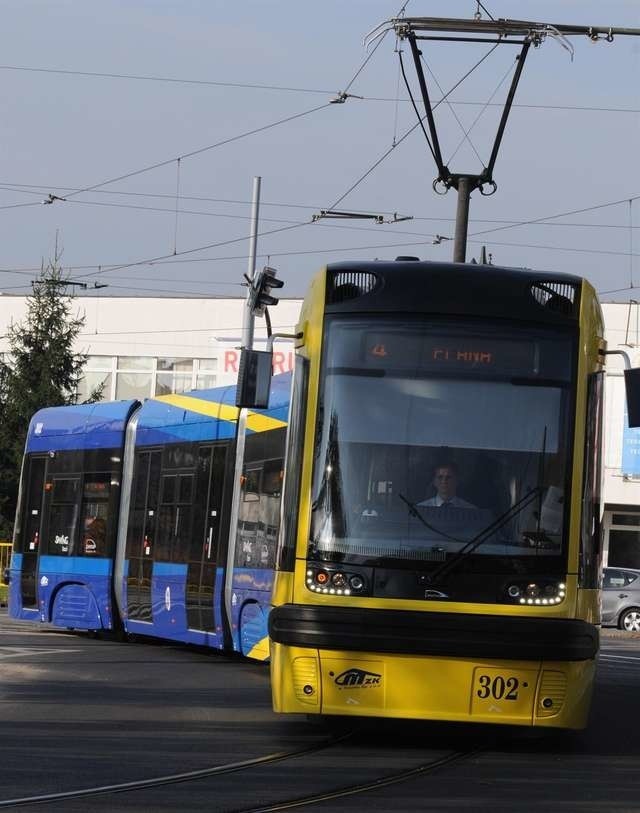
[(200, 150), (169, 79), (284, 88), (22, 188), (555, 216)]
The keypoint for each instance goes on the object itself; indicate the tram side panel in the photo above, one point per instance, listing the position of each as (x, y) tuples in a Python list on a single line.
[(254, 553), (182, 451), (62, 561), (178, 545)]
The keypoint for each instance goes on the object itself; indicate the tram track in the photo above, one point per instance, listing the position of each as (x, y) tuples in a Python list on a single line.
[(362, 787), (173, 779)]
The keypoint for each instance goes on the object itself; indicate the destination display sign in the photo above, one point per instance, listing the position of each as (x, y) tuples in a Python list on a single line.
[(391, 349)]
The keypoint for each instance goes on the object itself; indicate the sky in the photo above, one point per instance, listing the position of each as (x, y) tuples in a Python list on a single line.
[(192, 99)]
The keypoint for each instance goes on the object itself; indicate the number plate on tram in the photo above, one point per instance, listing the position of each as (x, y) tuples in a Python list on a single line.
[(505, 692)]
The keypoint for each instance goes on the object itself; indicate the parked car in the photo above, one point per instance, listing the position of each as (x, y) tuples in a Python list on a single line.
[(621, 598)]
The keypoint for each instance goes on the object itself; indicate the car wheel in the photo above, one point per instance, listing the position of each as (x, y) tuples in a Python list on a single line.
[(630, 620)]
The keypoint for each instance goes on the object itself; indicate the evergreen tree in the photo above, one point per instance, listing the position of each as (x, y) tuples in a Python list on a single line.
[(41, 370)]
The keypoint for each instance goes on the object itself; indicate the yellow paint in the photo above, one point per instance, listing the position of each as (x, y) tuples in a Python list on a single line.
[(260, 652), (255, 422), (312, 321), (432, 688)]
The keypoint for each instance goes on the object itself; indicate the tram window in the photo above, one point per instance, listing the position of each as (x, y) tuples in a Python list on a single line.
[(272, 478), (95, 515), (29, 519), (590, 536), (168, 491), (165, 535), (138, 503), (179, 456), (294, 456), (251, 485), (175, 517), (62, 529), (63, 516), (64, 490), (382, 432), (185, 488), (259, 515)]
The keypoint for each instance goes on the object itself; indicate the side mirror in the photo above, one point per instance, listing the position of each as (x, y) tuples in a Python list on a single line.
[(632, 387), (254, 378), (6, 576)]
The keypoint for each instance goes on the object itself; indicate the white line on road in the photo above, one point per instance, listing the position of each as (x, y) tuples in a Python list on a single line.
[(618, 658), (28, 651)]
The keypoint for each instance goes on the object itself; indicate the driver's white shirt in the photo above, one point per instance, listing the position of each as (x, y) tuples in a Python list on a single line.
[(454, 502)]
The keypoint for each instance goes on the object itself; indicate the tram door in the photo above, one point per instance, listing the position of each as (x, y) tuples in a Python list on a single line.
[(141, 536), (31, 530), (205, 537)]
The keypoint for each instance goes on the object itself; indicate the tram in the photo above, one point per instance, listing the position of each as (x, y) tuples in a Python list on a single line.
[(127, 518), (439, 553)]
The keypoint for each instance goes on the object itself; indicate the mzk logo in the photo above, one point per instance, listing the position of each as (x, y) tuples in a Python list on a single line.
[(358, 679)]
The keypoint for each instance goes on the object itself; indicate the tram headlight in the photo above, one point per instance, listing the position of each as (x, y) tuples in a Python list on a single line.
[(339, 580), (334, 582), (541, 592)]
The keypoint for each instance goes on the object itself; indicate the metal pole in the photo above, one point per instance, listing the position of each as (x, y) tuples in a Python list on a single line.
[(462, 220), (248, 319), (247, 342)]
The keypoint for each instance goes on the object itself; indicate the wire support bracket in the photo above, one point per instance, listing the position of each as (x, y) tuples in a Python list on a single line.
[(446, 179), (340, 215)]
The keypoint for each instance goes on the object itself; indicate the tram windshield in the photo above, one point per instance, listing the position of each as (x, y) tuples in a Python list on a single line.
[(433, 436)]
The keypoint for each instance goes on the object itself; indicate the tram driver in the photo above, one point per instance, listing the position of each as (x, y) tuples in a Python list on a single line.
[(445, 482)]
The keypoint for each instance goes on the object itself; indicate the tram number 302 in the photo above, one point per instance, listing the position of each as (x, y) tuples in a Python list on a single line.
[(498, 687)]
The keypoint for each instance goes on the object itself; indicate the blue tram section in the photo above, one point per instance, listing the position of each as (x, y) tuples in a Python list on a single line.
[(61, 569), (129, 518)]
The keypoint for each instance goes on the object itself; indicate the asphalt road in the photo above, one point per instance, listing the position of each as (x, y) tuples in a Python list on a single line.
[(168, 728)]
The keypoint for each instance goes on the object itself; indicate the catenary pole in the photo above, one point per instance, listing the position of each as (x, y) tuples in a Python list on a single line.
[(248, 319)]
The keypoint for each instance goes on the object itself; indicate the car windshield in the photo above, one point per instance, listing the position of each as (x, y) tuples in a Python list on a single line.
[(431, 435)]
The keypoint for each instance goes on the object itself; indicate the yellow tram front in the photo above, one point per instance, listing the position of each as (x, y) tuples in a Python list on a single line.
[(439, 556)]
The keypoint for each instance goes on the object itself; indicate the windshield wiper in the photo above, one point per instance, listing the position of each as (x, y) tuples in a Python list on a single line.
[(473, 544)]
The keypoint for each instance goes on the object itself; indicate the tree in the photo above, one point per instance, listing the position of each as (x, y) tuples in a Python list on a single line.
[(42, 370)]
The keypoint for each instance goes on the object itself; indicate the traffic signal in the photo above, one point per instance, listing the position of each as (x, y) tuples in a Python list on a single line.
[(263, 282)]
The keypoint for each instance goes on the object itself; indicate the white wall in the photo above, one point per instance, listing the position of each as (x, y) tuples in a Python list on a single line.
[(162, 327)]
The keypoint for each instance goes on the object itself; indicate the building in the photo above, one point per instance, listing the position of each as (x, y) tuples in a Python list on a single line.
[(143, 346), (138, 347), (621, 444)]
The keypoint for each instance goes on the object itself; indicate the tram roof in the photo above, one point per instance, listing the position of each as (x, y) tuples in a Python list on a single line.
[(201, 415), (81, 426), (457, 289)]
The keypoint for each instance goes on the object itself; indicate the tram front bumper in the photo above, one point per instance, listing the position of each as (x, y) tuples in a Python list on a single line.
[(551, 694)]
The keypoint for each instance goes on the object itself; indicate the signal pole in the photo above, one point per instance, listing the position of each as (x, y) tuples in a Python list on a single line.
[(248, 317)]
